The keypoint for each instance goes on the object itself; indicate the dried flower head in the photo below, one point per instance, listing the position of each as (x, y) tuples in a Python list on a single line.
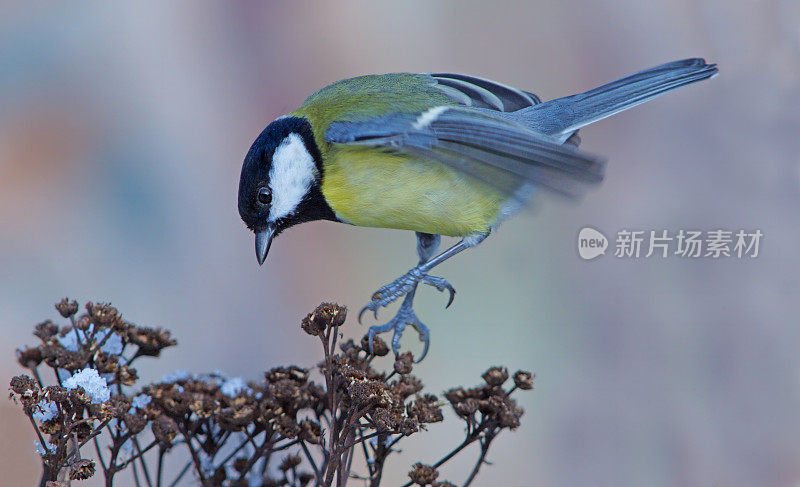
[(57, 394), (289, 462), (379, 347), (164, 430), (150, 340), (81, 469), (45, 330), (466, 408), (291, 373), (24, 385), (325, 315), (83, 323), (67, 308), (523, 380), (495, 376), (102, 315), (423, 474), (310, 431), (29, 357), (127, 375), (404, 363), (426, 409), (405, 386)]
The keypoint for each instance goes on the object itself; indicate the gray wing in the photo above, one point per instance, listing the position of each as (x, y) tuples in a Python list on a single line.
[(477, 92), (479, 144), (472, 91)]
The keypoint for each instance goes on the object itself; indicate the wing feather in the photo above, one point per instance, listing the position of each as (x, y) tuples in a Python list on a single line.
[(511, 99), (486, 147)]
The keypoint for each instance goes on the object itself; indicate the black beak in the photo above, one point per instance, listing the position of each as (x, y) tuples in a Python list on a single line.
[(263, 241)]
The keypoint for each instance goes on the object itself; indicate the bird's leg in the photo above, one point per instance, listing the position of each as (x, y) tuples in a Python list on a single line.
[(406, 285)]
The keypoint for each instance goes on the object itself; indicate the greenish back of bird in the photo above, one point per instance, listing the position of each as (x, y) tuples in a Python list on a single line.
[(365, 97)]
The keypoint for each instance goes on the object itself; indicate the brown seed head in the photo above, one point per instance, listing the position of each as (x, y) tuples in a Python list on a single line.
[(79, 396), (102, 315), (287, 426), (127, 375), (81, 469), (363, 391), (105, 363), (408, 426), (289, 462), (56, 393), (423, 474), (115, 407), (495, 376), (67, 308), (491, 406), (406, 386), (52, 427), (456, 395), (426, 409), (83, 431), (325, 315), (379, 347), (150, 340), (466, 408), (523, 380), (135, 422), (292, 373), (29, 357), (59, 357), (310, 431), (404, 363), (46, 330), (164, 430), (83, 322), (24, 385)]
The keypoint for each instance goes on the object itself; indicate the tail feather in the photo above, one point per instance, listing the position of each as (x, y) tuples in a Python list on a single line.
[(560, 118)]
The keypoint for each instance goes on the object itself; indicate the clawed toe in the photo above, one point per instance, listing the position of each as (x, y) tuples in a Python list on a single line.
[(403, 318), (441, 285), (404, 286), (371, 306)]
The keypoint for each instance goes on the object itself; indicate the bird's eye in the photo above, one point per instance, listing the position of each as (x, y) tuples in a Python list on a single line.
[(264, 196)]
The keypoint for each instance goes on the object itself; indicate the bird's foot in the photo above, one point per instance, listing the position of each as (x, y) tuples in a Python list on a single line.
[(404, 285), (405, 316)]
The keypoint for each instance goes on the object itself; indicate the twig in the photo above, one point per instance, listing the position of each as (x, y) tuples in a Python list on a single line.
[(160, 465), (100, 455), (310, 459), (481, 460), (181, 474), (137, 456)]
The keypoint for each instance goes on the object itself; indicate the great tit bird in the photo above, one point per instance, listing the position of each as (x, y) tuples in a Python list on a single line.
[(437, 154)]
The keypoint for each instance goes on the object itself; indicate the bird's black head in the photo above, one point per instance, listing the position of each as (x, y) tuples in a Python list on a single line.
[(281, 180)]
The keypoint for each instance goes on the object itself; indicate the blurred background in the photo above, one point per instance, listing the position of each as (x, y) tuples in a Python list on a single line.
[(122, 131)]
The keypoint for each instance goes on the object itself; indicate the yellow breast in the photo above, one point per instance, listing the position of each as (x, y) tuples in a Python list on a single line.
[(370, 188)]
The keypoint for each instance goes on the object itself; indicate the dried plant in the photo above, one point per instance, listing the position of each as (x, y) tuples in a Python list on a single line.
[(286, 430)]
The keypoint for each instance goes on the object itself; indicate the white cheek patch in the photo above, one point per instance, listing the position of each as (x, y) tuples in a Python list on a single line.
[(291, 176)]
